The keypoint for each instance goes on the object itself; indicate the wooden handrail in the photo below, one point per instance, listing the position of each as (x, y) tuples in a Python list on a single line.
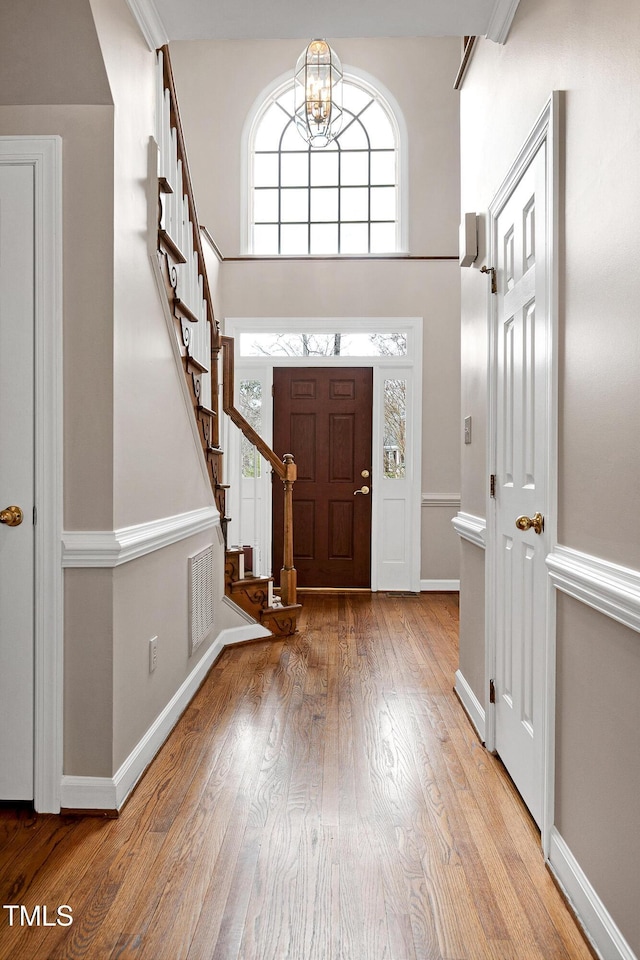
[(285, 469), (195, 227)]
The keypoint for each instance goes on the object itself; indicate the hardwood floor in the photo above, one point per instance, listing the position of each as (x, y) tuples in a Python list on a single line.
[(324, 797)]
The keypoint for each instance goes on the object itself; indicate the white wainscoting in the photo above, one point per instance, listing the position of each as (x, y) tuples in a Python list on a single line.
[(594, 917), (471, 528), (607, 587), (110, 548), (104, 793), (449, 501)]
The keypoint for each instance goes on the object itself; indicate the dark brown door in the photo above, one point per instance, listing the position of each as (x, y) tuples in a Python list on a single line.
[(323, 417)]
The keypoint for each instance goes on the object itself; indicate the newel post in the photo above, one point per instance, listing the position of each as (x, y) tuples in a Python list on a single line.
[(288, 576)]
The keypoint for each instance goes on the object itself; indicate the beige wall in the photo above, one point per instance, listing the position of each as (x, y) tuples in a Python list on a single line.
[(87, 146), (419, 73), (49, 54), (591, 54), (129, 452), (155, 467), (218, 83)]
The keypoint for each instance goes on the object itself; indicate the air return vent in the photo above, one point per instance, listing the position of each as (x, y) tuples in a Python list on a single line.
[(200, 597)]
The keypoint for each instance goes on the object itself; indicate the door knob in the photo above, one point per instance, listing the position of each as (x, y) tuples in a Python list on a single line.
[(526, 523), (12, 516), (364, 490)]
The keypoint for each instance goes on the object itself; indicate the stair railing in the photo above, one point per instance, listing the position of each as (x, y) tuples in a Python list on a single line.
[(285, 469), (198, 332)]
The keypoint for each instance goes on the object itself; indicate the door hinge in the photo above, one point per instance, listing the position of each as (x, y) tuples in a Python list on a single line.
[(35, 515), (492, 485), (492, 691), (492, 272)]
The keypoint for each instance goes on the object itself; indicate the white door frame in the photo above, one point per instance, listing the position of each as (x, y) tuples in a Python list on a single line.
[(44, 155), (546, 129), (409, 366)]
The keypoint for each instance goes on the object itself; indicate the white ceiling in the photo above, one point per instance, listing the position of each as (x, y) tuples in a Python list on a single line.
[(284, 19)]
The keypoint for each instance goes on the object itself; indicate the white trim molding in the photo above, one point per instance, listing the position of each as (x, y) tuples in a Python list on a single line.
[(471, 528), (111, 548), (441, 500), (44, 155), (150, 22), (439, 586), (607, 587), (110, 793), (501, 19), (596, 921), (470, 703)]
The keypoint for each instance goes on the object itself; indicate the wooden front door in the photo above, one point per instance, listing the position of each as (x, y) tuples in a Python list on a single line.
[(323, 416)]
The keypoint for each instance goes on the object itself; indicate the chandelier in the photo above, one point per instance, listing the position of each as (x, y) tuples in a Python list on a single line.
[(318, 94)]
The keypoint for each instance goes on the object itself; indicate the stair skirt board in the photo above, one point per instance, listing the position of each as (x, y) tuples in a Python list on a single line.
[(109, 794)]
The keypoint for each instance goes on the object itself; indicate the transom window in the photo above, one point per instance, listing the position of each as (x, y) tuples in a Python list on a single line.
[(339, 199)]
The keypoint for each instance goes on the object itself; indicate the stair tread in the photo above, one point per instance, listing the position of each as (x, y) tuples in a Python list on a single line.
[(250, 581)]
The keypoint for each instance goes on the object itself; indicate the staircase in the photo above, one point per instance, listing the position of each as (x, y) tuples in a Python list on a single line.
[(256, 597), (200, 343)]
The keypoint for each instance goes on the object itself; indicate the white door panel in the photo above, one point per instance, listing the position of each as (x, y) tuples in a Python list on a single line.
[(521, 471), (16, 479)]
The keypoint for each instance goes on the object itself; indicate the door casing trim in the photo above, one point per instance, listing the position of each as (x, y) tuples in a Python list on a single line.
[(545, 130), (44, 155), (412, 362)]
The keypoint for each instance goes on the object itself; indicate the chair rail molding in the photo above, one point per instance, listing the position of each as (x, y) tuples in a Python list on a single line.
[(111, 548), (607, 587), (471, 528), (441, 500)]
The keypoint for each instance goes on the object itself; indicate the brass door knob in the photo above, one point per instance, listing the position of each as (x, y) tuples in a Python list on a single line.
[(364, 490), (12, 516), (526, 523)]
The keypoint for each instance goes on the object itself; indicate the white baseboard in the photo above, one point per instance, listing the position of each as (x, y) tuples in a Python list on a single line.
[(103, 793), (439, 586), (471, 704), (594, 917), (88, 793)]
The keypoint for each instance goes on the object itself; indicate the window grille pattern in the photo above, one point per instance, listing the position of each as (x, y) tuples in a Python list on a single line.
[(340, 199)]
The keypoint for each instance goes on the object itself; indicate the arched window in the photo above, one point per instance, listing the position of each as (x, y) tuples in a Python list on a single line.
[(341, 199)]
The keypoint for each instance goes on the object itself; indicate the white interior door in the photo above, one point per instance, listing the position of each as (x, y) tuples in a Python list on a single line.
[(16, 480), (522, 445)]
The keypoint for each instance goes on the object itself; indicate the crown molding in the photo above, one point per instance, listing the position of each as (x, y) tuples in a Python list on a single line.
[(501, 19), (150, 22)]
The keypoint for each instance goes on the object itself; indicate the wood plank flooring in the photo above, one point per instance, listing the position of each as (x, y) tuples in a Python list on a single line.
[(324, 797)]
